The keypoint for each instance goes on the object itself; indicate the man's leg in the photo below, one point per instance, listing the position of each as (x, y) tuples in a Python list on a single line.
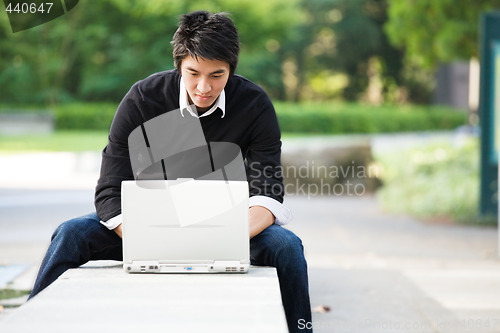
[(280, 248), (74, 243)]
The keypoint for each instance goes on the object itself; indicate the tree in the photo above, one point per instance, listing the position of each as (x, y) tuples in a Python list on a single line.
[(433, 31), (343, 39), (100, 48)]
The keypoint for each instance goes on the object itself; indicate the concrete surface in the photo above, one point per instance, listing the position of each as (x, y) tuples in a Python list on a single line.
[(15, 122), (92, 295), (376, 272), (385, 273)]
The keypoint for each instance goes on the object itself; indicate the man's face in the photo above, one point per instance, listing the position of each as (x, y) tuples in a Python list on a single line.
[(204, 80)]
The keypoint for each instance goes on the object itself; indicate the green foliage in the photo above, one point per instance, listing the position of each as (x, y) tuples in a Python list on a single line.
[(84, 116), (342, 37), (296, 49), (99, 49), (436, 31), (336, 118), (303, 118), (314, 118), (435, 181)]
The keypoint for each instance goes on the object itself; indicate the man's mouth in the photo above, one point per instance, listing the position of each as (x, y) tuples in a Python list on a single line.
[(203, 96)]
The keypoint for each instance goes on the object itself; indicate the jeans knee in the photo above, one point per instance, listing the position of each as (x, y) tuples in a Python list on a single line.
[(291, 247), (65, 230), (73, 229)]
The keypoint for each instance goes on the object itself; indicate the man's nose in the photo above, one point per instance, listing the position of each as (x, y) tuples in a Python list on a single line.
[(204, 86)]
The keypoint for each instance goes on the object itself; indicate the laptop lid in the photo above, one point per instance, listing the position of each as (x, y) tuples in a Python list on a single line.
[(189, 200), (185, 221)]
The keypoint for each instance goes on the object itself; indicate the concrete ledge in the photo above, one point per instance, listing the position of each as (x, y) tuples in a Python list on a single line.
[(106, 299)]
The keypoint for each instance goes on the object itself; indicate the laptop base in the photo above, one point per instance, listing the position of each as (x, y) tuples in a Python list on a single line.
[(214, 267)]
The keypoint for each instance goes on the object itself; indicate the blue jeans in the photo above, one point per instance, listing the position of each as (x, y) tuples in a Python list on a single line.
[(82, 239)]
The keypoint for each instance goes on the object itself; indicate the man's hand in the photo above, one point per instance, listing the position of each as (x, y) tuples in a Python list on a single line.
[(118, 230), (259, 218)]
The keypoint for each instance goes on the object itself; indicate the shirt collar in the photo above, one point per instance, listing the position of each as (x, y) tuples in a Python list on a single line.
[(184, 105)]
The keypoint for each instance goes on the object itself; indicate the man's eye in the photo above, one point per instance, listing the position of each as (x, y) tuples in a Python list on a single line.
[(216, 76), (193, 74)]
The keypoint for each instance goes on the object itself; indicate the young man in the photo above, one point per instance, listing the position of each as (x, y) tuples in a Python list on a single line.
[(230, 108)]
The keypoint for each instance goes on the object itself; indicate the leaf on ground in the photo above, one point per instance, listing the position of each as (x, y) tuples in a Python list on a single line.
[(321, 309)]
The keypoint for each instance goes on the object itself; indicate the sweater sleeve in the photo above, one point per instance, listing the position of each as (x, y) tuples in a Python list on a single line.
[(115, 164), (263, 156)]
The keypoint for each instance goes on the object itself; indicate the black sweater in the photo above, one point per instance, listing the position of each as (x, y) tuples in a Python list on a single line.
[(250, 122)]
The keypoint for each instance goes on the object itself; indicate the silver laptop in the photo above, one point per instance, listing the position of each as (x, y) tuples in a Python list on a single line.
[(185, 226)]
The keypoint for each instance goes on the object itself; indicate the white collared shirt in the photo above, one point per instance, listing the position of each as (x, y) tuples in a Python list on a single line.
[(281, 213)]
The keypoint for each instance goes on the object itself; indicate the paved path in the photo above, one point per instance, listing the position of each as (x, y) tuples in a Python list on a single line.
[(382, 273)]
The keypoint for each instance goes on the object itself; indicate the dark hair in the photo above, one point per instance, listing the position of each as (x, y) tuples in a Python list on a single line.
[(207, 36)]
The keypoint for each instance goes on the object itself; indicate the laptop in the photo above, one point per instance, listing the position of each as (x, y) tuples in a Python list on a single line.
[(185, 226)]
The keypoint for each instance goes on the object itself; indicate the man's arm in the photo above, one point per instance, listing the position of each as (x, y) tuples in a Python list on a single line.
[(115, 163), (259, 218), (264, 171), (118, 230)]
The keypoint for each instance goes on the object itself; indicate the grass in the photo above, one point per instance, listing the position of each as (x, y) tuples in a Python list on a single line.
[(13, 293), (69, 140), (54, 142), (77, 141)]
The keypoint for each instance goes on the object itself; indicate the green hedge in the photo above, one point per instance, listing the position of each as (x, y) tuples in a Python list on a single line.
[(333, 118), (307, 118), (83, 116)]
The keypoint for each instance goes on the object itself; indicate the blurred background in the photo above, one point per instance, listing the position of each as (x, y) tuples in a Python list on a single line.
[(330, 66), (377, 102)]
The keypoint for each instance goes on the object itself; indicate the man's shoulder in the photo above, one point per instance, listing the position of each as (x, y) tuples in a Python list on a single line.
[(159, 90), (160, 80)]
